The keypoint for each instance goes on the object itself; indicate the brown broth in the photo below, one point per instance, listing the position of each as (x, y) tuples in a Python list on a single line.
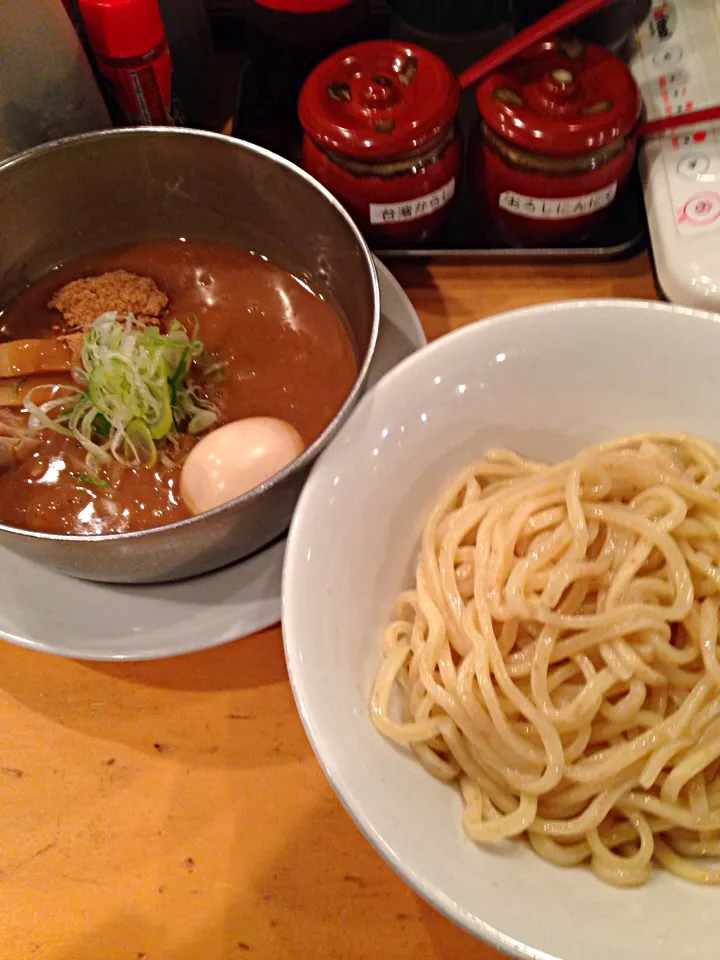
[(288, 355)]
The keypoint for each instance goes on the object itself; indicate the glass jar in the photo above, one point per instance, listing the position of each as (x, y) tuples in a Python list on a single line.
[(555, 142), (380, 128)]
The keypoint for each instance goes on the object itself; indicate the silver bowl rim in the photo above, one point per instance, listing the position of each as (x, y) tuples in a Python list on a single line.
[(310, 453)]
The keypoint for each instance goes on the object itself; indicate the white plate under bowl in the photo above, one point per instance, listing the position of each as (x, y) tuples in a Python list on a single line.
[(544, 382), (98, 621)]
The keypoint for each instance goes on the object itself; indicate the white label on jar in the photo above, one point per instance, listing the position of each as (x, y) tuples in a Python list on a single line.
[(412, 209), (561, 208)]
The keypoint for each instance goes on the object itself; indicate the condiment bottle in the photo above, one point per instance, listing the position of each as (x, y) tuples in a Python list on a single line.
[(128, 40), (194, 67), (611, 25), (460, 31), (47, 90), (381, 135), (555, 143), (285, 39)]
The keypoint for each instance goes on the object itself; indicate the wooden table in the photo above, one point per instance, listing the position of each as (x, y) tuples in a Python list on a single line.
[(174, 810)]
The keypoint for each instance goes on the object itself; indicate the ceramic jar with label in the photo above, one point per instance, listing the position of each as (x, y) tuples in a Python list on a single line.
[(555, 142), (380, 133)]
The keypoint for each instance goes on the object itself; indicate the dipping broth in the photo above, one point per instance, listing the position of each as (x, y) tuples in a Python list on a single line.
[(284, 350)]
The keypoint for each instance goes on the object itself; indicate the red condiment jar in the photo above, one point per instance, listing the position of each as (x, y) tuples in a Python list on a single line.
[(555, 143), (380, 134)]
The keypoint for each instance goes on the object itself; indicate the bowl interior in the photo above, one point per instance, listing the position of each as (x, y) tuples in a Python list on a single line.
[(543, 382), (102, 190), (107, 189)]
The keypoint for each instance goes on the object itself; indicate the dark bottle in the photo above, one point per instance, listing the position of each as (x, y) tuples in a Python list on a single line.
[(285, 40), (195, 76), (458, 31), (611, 25), (459, 16)]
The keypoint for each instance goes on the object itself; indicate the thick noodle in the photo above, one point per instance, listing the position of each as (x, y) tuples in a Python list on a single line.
[(558, 655)]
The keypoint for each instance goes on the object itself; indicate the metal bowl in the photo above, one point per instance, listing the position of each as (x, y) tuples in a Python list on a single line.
[(100, 190)]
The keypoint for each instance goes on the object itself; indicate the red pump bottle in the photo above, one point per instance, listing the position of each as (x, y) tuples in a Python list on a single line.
[(128, 40)]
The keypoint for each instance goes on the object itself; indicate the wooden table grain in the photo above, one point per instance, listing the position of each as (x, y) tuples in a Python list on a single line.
[(173, 810)]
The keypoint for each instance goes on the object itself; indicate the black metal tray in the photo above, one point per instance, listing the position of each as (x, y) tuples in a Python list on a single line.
[(623, 236)]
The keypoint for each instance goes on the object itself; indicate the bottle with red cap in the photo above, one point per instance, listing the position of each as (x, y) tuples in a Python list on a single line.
[(286, 39), (128, 41)]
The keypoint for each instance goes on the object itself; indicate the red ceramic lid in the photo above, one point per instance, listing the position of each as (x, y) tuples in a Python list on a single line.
[(378, 99), (561, 96)]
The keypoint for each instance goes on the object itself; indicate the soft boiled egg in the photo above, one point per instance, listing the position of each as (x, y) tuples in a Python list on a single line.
[(236, 458)]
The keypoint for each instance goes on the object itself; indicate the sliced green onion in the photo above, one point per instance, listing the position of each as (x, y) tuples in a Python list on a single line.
[(134, 388), (201, 421), (139, 445), (175, 380), (214, 370), (39, 414), (86, 478), (101, 425)]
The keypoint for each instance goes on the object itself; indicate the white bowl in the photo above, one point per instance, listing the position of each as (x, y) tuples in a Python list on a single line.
[(542, 381)]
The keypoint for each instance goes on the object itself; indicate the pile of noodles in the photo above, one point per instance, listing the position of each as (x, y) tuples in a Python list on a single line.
[(557, 655)]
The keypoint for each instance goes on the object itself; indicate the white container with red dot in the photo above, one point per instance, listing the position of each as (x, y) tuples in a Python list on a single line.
[(676, 67)]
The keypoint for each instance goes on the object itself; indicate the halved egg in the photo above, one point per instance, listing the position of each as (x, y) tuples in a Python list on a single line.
[(236, 458)]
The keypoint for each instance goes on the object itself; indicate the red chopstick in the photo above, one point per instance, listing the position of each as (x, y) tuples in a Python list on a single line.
[(562, 16), (679, 120)]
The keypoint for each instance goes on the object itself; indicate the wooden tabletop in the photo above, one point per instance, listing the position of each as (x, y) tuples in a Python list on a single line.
[(174, 810)]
